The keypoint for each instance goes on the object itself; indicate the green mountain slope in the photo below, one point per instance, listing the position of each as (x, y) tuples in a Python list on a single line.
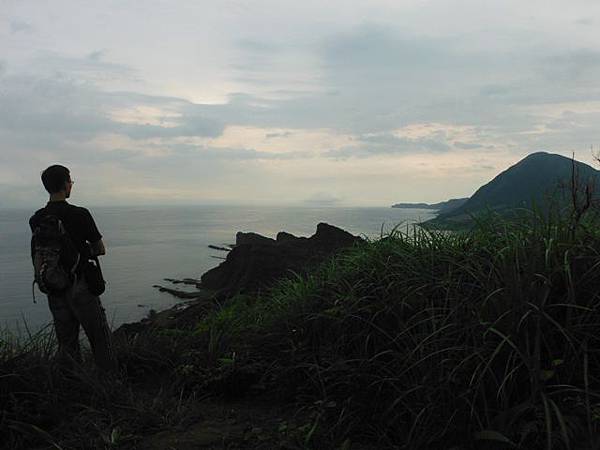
[(440, 207), (537, 179)]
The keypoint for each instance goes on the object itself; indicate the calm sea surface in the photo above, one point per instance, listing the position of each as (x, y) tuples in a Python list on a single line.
[(147, 244)]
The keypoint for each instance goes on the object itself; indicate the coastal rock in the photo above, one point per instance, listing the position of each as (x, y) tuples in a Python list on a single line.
[(256, 261), (242, 238), (329, 238), (283, 237)]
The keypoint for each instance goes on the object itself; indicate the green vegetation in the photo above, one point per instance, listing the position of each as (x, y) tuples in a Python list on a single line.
[(487, 339), (540, 179), (434, 340), (45, 405)]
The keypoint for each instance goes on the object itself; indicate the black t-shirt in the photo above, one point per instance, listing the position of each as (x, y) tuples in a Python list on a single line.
[(78, 223)]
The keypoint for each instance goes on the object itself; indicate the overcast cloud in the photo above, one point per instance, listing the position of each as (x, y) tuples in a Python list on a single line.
[(348, 102)]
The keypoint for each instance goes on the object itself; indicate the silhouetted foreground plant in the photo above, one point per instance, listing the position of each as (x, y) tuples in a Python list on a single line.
[(47, 405), (487, 339)]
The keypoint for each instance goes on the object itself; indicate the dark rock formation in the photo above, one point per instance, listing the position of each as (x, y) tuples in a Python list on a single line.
[(283, 237), (256, 261), (179, 293), (216, 247), (242, 238)]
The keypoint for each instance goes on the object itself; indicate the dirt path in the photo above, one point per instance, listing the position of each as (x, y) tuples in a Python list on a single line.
[(236, 425)]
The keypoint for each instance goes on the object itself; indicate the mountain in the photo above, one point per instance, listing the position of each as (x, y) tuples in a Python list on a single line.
[(441, 207), (537, 179)]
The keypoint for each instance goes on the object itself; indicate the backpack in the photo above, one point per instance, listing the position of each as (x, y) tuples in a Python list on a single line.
[(55, 257)]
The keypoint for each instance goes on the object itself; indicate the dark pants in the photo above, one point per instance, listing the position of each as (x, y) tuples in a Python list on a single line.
[(77, 306)]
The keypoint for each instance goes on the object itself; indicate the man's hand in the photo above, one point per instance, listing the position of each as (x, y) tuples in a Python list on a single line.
[(97, 248)]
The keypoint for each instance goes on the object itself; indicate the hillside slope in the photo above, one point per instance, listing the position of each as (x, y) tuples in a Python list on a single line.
[(535, 179)]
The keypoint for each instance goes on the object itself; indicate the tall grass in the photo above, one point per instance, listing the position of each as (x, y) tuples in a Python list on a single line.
[(47, 404), (486, 339), (425, 339)]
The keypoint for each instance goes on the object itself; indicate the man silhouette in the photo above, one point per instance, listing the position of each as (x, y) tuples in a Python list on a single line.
[(77, 305)]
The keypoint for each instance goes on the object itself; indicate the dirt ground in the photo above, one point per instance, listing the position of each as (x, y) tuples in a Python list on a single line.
[(237, 425)]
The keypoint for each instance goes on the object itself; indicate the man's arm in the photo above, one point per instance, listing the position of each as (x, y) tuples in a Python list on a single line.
[(97, 248), (32, 226), (93, 236)]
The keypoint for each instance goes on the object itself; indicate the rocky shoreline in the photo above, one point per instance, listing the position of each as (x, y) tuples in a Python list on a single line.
[(252, 264)]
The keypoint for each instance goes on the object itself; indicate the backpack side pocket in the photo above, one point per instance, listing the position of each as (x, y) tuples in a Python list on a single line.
[(93, 277)]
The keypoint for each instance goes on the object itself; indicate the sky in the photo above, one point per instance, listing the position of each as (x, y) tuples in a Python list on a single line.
[(336, 103)]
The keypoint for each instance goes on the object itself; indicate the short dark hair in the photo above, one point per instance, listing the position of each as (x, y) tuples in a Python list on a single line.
[(55, 177)]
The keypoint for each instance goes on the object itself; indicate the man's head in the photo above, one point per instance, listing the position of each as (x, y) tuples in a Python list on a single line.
[(57, 179)]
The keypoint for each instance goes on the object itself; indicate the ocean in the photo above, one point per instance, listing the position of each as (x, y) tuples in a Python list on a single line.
[(147, 244)]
